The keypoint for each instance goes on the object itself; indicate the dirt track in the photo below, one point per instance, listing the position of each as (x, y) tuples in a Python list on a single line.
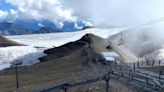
[(126, 55)]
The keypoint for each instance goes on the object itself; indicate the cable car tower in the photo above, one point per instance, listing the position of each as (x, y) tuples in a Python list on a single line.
[(121, 41)]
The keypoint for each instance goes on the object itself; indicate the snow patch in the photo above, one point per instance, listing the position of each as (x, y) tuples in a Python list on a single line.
[(27, 54)]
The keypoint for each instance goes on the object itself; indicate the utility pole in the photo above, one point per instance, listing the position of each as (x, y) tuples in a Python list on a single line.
[(160, 74), (106, 79), (17, 80), (134, 67), (159, 62), (15, 64)]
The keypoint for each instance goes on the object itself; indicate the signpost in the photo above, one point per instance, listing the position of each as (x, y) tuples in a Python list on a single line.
[(15, 64)]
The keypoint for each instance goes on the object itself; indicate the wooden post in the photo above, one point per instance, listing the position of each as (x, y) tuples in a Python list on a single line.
[(147, 62), (142, 63), (129, 75), (159, 62), (138, 64), (132, 76), (134, 67), (122, 74), (147, 81), (160, 73), (153, 62)]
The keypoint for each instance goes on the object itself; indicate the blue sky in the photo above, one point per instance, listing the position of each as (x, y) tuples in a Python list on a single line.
[(6, 6)]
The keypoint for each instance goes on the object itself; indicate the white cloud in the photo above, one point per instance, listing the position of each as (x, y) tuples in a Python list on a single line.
[(3, 14), (60, 24), (87, 23), (41, 25), (98, 12), (10, 15), (51, 10), (117, 12), (77, 26), (13, 12)]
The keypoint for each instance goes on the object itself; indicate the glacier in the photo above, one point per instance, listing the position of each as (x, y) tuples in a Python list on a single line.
[(29, 54), (57, 39)]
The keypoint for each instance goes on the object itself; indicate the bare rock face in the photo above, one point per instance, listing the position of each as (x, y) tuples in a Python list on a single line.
[(68, 48), (4, 42)]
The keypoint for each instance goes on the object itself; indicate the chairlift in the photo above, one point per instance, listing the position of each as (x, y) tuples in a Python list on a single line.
[(16, 64), (121, 41)]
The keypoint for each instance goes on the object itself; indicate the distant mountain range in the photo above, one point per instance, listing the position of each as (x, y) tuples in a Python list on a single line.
[(7, 28), (21, 27)]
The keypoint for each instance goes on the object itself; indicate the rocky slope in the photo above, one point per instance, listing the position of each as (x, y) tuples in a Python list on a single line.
[(87, 41), (4, 42)]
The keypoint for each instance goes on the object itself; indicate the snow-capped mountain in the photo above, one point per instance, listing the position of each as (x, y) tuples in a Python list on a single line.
[(22, 27)]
